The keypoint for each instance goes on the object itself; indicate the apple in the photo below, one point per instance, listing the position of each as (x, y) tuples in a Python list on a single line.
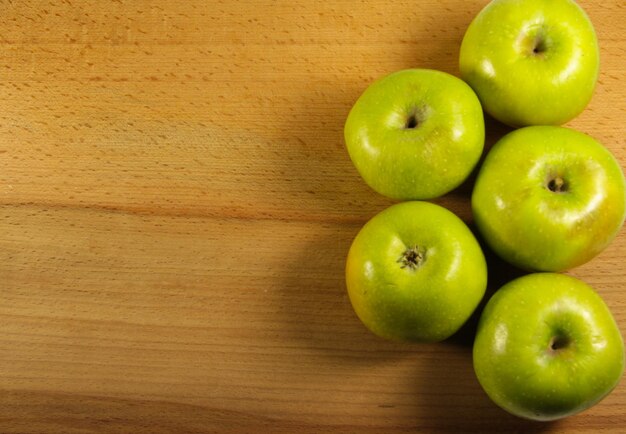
[(531, 62), (415, 272), (547, 347), (415, 134), (549, 198)]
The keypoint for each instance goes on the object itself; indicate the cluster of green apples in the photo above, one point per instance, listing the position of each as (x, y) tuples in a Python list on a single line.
[(546, 199)]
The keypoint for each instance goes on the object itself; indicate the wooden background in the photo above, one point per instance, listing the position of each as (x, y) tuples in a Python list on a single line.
[(176, 205)]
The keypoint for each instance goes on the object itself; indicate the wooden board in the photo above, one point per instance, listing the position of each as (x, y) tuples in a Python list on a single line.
[(176, 205)]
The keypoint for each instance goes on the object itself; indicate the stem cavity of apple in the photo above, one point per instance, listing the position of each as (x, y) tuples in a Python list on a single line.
[(412, 258), (557, 185), (411, 122), (415, 116), (539, 46), (559, 342), (533, 41)]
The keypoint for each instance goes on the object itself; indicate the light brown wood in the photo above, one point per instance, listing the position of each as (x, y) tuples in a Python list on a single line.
[(176, 205)]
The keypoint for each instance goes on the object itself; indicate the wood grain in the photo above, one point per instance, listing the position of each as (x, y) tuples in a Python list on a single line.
[(176, 205)]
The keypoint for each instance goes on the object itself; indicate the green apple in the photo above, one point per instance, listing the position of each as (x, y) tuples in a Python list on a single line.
[(547, 347), (549, 198), (415, 134), (531, 62), (415, 272)]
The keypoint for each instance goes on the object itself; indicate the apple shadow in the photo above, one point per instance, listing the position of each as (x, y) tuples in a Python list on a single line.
[(499, 272), (455, 402), (459, 199)]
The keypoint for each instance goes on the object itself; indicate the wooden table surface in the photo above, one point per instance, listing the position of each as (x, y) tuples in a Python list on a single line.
[(176, 206)]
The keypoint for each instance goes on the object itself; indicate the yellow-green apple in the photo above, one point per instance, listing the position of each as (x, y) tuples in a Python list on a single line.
[(415, 272), (549, 198), (531, 62), (547, 347), (415, 134)]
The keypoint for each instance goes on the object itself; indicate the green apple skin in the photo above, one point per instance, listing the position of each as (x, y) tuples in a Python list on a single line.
[(531, 62), (533, 227), (426, 300), (415, 134), (547, 347)]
